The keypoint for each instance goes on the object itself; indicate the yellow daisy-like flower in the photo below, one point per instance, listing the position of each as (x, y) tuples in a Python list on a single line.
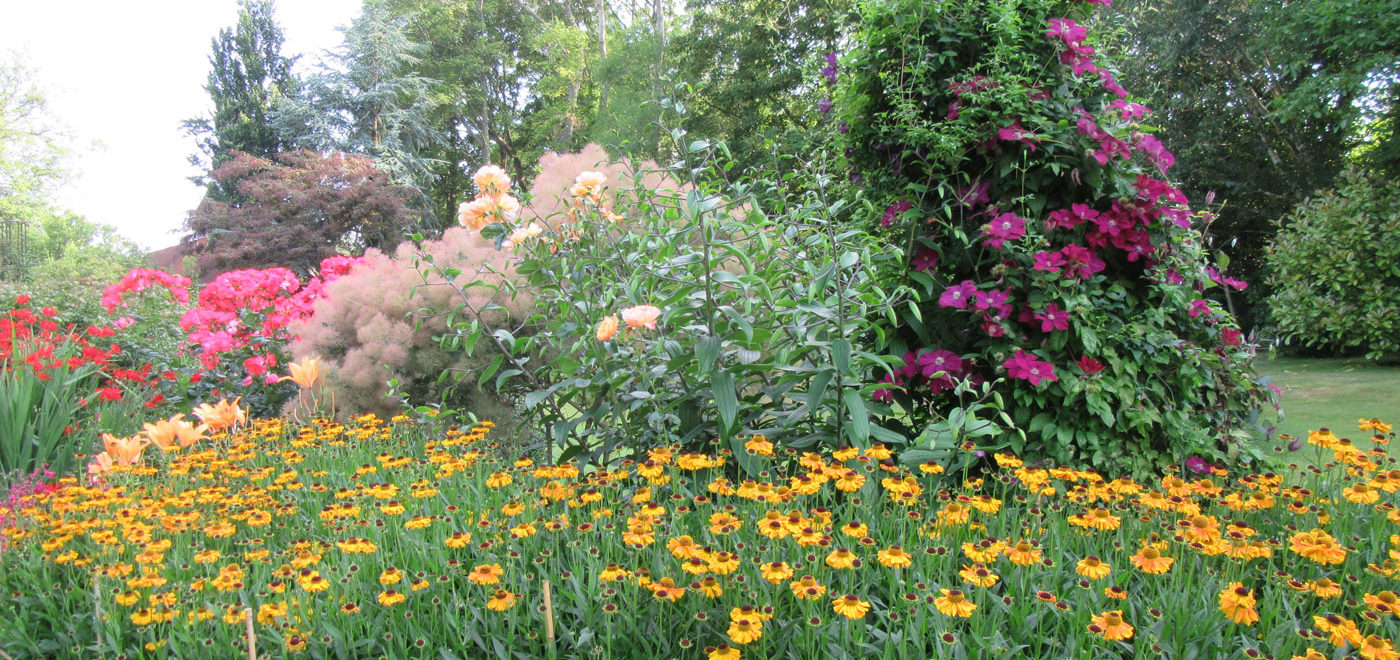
[(390, 576), (759, 444), (855, 530), (746, 631), (1111, 626), (841, 558), (1317, 545), (709, 587), (1150, 560), (486, 574), (1237, 604), (895, 557), (1024, 553), (850, 606), (1325, 588), (1093, 568), (807, 588), (724, 563), (501, 601), (1361, 493), (954, 603), (1376, 648), (390, 598), (776, 572), (1384, 602), (978, 575), (722, 652)]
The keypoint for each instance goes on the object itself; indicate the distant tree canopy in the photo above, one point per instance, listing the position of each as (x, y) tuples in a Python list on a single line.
[(247, 77), (1264, 102), (299, 209), (368, 100)]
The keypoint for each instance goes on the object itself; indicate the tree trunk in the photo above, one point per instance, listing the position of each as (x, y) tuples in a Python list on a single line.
[(602, 19)]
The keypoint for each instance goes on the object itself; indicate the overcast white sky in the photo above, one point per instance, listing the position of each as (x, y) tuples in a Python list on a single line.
[(123, 75)]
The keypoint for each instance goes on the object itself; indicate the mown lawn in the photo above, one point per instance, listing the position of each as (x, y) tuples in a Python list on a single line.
[(1327, 392)]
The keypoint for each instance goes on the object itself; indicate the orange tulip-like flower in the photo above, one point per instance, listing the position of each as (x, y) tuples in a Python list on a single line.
[(124, 451), (641, 316), (100, 464), (607, 328), (305, 372), (221, 415), (174, 433)]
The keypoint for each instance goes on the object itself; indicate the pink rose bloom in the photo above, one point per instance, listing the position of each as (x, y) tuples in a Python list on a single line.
[(641, 316)]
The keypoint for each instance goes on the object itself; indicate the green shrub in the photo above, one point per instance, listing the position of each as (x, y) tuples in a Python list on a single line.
[(1057, 272), (734, 322), (1336, 285)]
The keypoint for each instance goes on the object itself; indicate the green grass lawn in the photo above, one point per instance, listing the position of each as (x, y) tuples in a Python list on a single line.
[(1333, 393)]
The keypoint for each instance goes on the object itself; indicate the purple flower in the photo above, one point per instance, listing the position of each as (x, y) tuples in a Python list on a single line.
[(831, 68), (843, 127), (1050, 262), (938, 360), (1053, 318), (926, 259), (957, 295), (1018, 133), (1198, 465), (824, 106), (892, 212), (1026, 367), (1003, 228)]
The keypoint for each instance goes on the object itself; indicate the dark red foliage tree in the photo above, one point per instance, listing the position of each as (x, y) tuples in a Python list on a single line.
[(298, 210)]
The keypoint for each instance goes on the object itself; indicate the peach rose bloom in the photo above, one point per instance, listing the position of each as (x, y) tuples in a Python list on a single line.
[(641, 316), (607, 328)]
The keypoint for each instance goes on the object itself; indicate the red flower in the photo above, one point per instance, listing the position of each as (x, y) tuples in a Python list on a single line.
[(109, 394), (22, 299), (1089, 365), (48, 311)]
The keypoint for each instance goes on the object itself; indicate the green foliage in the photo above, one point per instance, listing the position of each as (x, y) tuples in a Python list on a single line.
[(247, 77), (33, 154), (1022, 192), (368, 101), (1236, 92), (762, 317), (1332, 268)]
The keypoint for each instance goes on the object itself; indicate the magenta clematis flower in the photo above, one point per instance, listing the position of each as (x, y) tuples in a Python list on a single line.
[(1026, 367), (957, 295), (1053, 318), (1003, 228)]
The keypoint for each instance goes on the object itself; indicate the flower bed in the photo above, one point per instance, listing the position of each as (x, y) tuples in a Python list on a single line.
[(372, 539)]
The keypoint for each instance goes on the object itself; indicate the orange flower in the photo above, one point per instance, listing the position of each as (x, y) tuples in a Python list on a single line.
[(607, 328), (641, 316), (1151, 560), (100, 464), (305, 372), (1237, 604), (491, 180), (221, 415), (953, 603), (1375, 648), (174, 433), (1112, 626), (850, 606), (124, 451)]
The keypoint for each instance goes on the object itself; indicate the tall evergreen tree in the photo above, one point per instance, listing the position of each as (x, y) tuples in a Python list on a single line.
[(247, 76), (368, 101)]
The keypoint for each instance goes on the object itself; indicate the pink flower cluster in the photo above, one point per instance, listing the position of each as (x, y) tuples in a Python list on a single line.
[(938, 368), (276, 295), (1079, 57), (140, 279)]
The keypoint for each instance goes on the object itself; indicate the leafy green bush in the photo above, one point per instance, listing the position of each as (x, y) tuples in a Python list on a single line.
[(1333, 268), (670, 312), (1058, 276)]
